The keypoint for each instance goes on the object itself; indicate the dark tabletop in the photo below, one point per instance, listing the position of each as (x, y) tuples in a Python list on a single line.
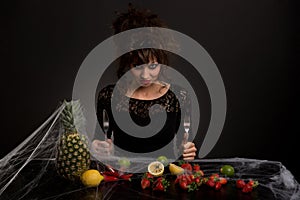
[(39, 180)]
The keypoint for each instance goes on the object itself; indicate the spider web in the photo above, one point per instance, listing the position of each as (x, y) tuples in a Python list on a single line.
[(28, 172)]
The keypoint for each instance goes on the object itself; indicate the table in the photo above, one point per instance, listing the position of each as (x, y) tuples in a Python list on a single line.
[(39, 180)]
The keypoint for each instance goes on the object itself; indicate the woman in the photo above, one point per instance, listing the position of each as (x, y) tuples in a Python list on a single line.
[(142, 91)]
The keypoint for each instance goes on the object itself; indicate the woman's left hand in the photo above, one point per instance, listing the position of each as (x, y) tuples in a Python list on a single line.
[(189, 151)]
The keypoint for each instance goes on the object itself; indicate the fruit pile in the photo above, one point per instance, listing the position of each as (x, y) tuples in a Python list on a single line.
[(246, 187), (190, 177), (193, 177), (156, 183)]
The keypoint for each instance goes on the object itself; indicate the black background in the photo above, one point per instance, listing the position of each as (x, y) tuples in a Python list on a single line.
[(253, 43)]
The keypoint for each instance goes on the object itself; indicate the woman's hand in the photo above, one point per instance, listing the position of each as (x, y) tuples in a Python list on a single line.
[(103, 148), (189, 151)]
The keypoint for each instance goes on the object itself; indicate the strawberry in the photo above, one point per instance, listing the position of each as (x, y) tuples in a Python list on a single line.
[(197, 180), (189, 178), (160, 184), (222, 180), (253, 183), (218, 186), (148, 175), (183, 184), (247, 188), (187, 166), (214, 177), (240, 183), (146, 180), (210, 183), (196, 167), (145, 183)]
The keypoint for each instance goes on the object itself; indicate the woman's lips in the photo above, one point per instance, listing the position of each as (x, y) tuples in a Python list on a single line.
[(145, 82)]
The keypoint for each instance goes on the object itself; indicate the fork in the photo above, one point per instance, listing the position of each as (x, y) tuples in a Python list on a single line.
[(105, 123), (106, 127), (186, 125)]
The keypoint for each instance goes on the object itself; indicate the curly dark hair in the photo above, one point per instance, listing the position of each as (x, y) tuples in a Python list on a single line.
[(137, 18)]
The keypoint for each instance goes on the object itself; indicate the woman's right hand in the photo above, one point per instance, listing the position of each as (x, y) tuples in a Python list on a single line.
[(102, 148)]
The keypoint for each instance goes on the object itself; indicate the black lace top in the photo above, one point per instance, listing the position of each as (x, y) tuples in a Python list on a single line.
[(141, 114)]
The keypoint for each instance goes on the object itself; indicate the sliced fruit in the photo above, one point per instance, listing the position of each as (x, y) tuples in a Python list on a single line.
[(91, 178), (163, 160), (227, 170), (156, 168), (175, 170)]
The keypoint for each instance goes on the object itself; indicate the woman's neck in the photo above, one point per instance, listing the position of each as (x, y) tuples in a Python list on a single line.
[(153, 91)]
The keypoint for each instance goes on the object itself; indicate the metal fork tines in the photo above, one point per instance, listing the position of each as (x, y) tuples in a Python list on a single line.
[(186, 125)]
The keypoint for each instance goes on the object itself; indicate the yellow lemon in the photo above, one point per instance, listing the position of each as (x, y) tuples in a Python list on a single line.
[(175, 170), (156, 168), (91, 178)]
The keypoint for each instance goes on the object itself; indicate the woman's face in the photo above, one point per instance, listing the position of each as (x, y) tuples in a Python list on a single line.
[(146, 74)]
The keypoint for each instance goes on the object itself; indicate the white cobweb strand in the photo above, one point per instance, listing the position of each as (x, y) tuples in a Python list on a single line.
[(4, 163)]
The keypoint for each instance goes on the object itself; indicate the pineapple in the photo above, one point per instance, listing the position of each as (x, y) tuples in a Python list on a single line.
[(73, 156)]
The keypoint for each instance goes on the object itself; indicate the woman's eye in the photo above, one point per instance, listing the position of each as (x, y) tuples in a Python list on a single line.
[(153, 65)]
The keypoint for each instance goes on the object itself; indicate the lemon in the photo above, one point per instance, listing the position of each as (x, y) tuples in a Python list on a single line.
[(156, 168), (227, 170), (175, 170), (91, 178), (163, 160)]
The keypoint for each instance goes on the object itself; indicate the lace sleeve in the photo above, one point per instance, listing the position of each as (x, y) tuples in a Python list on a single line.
[(104, 103)]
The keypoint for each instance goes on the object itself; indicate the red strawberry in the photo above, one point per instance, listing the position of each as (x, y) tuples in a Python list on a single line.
[(210, 183), (218, 186), (196, 167), (145, 183), (159, 186), (247, 188), (148, 175), (197, 180), (189, 178), (183, 184), (222, 180), (240, 183), (251, 182), (214, 177), (187, 166)]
